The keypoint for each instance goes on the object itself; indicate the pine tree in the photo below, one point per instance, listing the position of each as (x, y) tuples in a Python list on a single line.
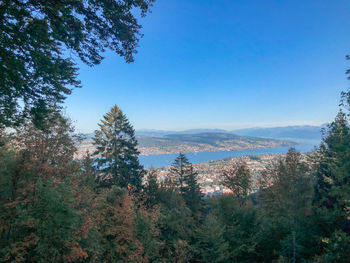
[(192, 193), (176, 225), (185, 179), (55, 221), (334, 172), (332, 191), (179, 170), (151, 188), (286, 203), (240, 224), (211, 243), (116, 149), (115, 221)]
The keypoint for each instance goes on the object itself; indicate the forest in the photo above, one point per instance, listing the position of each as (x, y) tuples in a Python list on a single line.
[(106, 207)]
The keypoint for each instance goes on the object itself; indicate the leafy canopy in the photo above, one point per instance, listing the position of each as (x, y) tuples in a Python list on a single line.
[(38, 40)]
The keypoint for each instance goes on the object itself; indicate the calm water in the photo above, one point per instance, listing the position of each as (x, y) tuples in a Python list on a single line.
[(199, 157)]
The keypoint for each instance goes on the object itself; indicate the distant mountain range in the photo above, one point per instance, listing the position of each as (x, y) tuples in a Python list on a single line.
[(203, 142), (146, 132), (295, 132), (194, 142), (200, 140)]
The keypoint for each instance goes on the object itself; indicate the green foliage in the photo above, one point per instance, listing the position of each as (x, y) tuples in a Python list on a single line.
[(290, 187), (241, 226), (49, 143), (332, 191), (53, 208), (337, 248), (237, 178), (55, 221), (35, 67), (192, 193), (147, 234), (177, 227), (151, 189), (333, 174), (116, 149), (212, 246), (185, 179), (115, 225), (179, 170), (287, 199), (38, 220)]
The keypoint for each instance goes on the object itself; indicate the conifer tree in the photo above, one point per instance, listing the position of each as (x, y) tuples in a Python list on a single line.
[(116, 149), (333, 175), (179, 170), (38, 204), (192, 192), (151, 188), (211, 243), (176, 225), (55, 222), (185, 179), (286, 200), (332, 191), (116, 227)]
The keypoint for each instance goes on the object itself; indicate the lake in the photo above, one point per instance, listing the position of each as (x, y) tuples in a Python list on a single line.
[(161, 160)]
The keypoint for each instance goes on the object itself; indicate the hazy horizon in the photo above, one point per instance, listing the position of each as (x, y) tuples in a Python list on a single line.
[(226, 129)]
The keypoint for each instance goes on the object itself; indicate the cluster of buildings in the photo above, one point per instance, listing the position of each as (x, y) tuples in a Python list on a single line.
[(209, 173)]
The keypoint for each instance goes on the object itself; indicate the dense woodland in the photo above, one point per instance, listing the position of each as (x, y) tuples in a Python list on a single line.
[(106, 207)]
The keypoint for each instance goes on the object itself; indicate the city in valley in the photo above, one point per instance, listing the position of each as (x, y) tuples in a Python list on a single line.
[(209, 173)]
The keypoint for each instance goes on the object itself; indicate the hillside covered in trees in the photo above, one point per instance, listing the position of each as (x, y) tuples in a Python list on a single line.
[(198, 142), (106, 209)]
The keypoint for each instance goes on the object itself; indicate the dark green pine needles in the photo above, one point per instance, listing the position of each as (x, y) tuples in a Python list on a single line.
[(116, 149)]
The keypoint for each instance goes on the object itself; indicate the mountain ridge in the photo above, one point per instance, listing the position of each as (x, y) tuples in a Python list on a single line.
[(291, 131), (198, 142)]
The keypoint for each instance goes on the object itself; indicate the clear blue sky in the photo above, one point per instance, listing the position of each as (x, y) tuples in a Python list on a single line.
[(224, 64)]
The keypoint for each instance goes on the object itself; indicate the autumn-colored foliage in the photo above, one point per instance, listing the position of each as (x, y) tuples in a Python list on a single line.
[(54, 208)]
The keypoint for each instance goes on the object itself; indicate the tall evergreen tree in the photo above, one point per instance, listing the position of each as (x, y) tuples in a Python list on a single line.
[(116, 150), (116, 226), (192, 193), (240, 226), (333, 185), (185, 179), (212, 245), (151, 188), (332, 191), (286, 202), (179, 170), (176, 225)]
